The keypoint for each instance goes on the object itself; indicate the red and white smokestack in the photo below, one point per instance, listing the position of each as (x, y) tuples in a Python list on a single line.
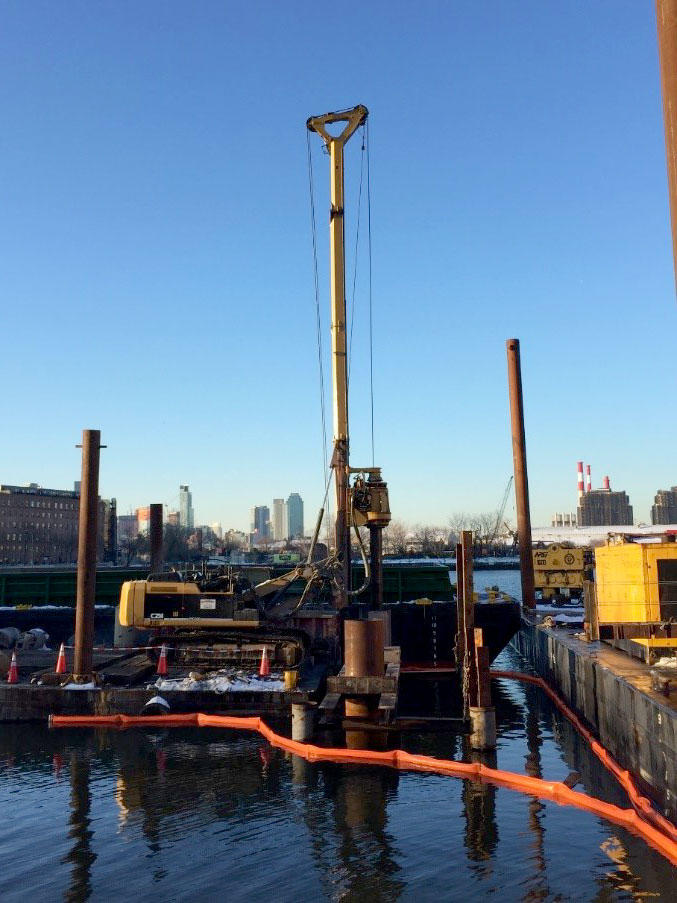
[(588, 479), (605, 484), (580, 479)]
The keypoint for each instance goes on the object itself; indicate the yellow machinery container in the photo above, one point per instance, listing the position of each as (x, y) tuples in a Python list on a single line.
[(559, 569), (636, 582)]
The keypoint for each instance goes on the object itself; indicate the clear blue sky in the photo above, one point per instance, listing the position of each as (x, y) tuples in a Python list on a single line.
[(156, 259)]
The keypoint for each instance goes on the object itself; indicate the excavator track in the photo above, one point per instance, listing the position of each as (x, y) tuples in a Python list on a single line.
[(213, 649)]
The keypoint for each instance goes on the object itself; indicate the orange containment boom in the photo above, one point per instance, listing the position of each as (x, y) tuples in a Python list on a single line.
[(474, 771), (640, 803)]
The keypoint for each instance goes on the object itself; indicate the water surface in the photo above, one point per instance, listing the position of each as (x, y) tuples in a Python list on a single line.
[(219, 815)]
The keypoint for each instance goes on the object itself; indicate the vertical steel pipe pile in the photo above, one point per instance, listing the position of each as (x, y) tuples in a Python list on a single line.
[(376, 566), (666, 18), (519, 456), (87, 548), (156, 562), (363, 657)]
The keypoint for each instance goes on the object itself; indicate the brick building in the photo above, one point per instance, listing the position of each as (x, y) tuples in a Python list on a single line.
[(40, 526)]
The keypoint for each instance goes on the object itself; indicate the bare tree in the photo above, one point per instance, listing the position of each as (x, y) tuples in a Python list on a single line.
[(429, 539), (132, 546), (457, 521), (395, 538), (483, 526)]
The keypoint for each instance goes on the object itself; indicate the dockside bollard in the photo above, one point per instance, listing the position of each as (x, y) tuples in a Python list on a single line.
[(481, 712), (302, 722), (482, 727)]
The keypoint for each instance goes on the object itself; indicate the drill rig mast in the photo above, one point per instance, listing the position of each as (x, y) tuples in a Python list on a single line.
[(335, 144)]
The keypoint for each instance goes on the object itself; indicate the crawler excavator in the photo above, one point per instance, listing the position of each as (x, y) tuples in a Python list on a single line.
[(219, 619)]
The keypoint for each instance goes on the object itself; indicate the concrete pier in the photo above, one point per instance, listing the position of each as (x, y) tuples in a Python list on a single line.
[(613, 693)]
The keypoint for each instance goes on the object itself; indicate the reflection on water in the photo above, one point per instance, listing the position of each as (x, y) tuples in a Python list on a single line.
[(479, 806), (220, 815), (80, 856)]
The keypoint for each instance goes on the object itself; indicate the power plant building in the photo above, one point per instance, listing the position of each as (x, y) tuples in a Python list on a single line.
[(664, 509), (600, 507), (604, 508)]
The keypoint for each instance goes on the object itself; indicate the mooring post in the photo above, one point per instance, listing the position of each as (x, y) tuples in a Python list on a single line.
[(666, 18), (519, 456), (591, 613), (302, 722), (87, 548), (156, 562), (460, 613), (482, 712), (466, 606)]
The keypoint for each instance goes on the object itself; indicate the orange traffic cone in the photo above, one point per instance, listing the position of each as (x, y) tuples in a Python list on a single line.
[(13, 674), (264, 669), (162, 661), (61, 661)]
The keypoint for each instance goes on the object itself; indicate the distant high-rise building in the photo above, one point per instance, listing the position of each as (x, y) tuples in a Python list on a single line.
[(279, 519), (174, 519), (604, 508), (664, 509), (143, 519), (186, 513), (218, 529), (294, 516), (110, 530), (128, 527), (260, 524)]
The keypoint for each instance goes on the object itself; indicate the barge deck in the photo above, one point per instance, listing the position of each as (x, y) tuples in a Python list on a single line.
[(614, 693)]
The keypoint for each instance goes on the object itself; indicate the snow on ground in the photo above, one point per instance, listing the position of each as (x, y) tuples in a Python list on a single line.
[(667, 662), (577, 610), (221, 682), (51, 607)]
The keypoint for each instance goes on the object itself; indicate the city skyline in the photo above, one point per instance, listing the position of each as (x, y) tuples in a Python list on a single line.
[(665, 496), (33, 529)]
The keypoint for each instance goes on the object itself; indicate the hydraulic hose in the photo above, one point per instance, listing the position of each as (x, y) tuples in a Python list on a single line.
[(363, 553)]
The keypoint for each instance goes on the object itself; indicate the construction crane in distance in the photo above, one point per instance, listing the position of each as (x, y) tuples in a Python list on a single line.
[(501, 512)]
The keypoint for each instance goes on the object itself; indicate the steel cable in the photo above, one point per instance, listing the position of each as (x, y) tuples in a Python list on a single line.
[(318, 316)]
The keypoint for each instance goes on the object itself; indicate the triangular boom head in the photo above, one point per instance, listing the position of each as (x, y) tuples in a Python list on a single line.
[(353, 119)]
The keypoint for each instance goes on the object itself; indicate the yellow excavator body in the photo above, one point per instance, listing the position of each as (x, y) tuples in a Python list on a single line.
[(153, 604)]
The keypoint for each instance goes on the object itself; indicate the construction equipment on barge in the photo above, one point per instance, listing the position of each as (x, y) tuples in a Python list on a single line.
[(230, 614), (633, 601)]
